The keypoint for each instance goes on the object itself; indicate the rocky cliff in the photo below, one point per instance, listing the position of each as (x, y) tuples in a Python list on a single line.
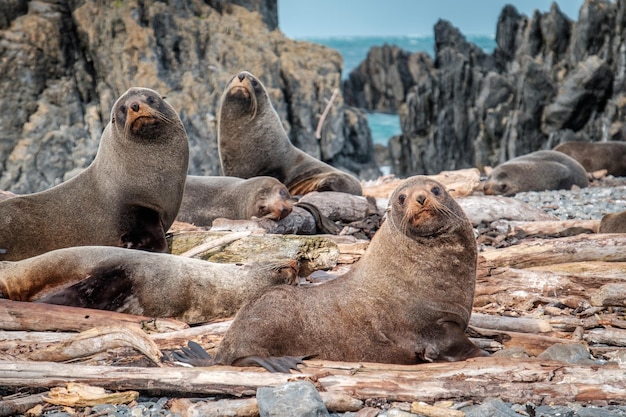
[(63, 64), (548, 80)]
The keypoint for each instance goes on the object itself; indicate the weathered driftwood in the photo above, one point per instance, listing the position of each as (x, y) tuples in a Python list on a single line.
[(83, 395), (298, 222), (518, 324), (594, 247), (341, 206), (515, 380), (610, 295), (552, 228), (311, 252), (247, 407), (459, 183), (432, 411), (16, 315), (571, 284), (19, 405), (487, 209)]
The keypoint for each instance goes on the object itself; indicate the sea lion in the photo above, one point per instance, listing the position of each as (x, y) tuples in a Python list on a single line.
[(129, 195), (252, 142), (613, 223), (139, 282), (595, 156), (209, 197), (407, 300), (536, 171)]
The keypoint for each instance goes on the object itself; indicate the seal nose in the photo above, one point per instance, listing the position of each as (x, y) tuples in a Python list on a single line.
[(241, 76), (420, 198), (135, 106)]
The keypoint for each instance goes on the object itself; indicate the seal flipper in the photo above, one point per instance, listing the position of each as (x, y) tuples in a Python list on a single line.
[(273, 363), (142, 230), (194, 355), (453, 345)]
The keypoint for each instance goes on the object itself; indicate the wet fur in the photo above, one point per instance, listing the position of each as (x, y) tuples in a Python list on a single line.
[(127, 197), (408, 299), (536, 171), (613, 223), (252, 142)]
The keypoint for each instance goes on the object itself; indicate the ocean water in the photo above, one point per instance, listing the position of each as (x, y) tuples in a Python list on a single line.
[(354, 50)]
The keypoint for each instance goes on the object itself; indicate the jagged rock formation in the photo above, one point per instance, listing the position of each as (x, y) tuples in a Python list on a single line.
[(63, 64), (548, 80)]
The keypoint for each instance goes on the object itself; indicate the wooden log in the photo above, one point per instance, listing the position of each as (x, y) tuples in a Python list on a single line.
[(458, 183), (546, 227), (312, 252), (18, 406), (341, 207), (514, 380), (433, 411), (595, 247), (517, 324), (17, 315), (609, 336), (533, 344), (487, 209), (610, 295), (298, 222)]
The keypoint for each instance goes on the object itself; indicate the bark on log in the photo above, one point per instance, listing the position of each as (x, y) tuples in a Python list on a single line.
[(17, 315), (514, 380), (554, 228), (487, 209), (596, 247)]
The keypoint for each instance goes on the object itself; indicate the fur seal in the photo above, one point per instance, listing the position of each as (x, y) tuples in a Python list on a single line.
[(594, 156), (129, 196), (536, 171), (209, 197), (252, 142), (407, 300), (613, 223), (139, 282)]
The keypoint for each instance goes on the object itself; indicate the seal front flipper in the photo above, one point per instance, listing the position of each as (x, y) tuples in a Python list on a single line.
[(451, 346), (274, 363), (142, 229), (194, 355)]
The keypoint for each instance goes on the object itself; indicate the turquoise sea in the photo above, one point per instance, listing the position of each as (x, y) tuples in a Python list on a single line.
[(355, 49)]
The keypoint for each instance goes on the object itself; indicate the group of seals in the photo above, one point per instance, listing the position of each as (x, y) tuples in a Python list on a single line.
[(129, 196), (595, 156), (407, 300), (209, 197), (252, 142), (536, 171)]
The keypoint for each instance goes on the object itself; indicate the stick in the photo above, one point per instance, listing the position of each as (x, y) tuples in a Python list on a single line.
[(318, 131)]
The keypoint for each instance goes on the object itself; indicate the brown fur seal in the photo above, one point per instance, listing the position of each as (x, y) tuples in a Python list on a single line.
[(129, 195), (536, 171), (252, 142), (207, 198), (407, 300), (594, 156), (138, 282), (613, 223)]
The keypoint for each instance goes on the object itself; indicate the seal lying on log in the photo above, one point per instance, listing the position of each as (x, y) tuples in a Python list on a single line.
[(407, 300), (139, 282)]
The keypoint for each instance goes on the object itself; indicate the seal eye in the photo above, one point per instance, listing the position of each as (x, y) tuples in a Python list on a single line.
[(401, 199), (503, 187), (150, 99), (435, 190), (283, 194), (123, 109), (254, 82)]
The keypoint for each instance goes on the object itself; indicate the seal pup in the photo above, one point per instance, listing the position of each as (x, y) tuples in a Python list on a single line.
[(536, 171), (407, 300), (613, 223), (128, 196), (252, 142), (594, 156), (208, 197), (139, 282)]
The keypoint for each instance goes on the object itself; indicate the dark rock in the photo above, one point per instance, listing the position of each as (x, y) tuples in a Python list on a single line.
[(549, 79), (491, 407), (62, 70), (568, 352), (293, 399)]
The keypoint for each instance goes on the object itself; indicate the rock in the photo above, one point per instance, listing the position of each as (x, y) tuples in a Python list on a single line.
[(62, 70), (568, 352), (547, 81), (293, 399), (492, 407)]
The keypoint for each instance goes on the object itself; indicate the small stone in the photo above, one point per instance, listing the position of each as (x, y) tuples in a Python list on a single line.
[(293, 399), (568, 352)]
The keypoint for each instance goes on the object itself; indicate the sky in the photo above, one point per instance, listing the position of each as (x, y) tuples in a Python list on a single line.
[(326, 18)]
